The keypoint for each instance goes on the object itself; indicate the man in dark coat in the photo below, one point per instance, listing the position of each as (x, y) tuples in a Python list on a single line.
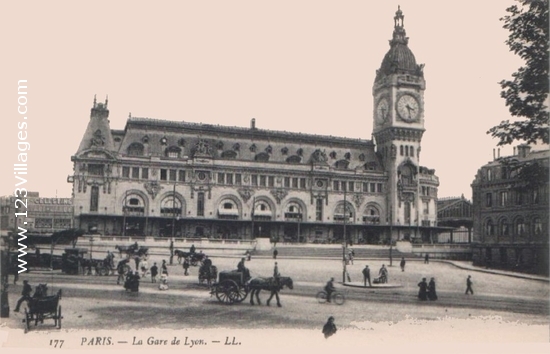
[(154, 272), (366, 275), (469, 285), (25, 294), (427, 258), (192, 249), (329, 328), (329, 288), (164, 268), (186, 266), (423, 289), (275, 253), (402, 264)]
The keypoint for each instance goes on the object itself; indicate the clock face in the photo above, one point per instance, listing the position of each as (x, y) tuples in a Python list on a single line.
[(408, 108), (382, 110)]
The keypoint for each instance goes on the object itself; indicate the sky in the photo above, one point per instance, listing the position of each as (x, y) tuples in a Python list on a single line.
[(299, 66)]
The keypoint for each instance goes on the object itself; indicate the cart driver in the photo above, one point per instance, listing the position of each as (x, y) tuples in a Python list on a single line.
[(242, 268)]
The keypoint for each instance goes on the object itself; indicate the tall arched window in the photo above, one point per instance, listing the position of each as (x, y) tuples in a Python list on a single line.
[(504, 228), (520, 227), (537, 226), (489, 228), (135, 149)]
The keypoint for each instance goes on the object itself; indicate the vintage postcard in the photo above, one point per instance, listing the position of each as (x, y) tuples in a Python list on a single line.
[(268, 176)]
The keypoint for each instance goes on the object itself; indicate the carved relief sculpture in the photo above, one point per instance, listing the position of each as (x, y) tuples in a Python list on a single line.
[(153, 188), (279, 194), (245, 193)]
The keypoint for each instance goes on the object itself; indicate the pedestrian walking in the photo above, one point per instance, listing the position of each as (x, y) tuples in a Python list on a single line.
[(432, 294), (427, 258), (25, 295), (171, 251), (423, 290), (186, 266), (154, 272), (329, 328), (275, 253), (164, 268), (351, 253), (366, 275), (469, 284), (402, 264)]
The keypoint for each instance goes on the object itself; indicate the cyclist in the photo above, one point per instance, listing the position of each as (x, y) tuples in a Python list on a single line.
[(329, 288)]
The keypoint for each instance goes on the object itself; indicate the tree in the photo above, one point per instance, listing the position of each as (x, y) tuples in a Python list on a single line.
[(527, 94)]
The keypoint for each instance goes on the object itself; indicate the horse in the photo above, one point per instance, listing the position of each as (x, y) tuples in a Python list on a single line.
[(40, 291), (181, 255), (207, 273), (274, 285)]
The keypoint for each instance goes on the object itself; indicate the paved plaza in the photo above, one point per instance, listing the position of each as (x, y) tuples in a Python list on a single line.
[(501, 302)]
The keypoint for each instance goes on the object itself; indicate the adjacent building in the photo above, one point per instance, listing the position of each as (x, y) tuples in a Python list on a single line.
[(45, 215), (510, 206), (183, 179)]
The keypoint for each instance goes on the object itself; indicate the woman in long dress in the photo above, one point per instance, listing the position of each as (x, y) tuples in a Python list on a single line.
[(422, 291), (432, 294)]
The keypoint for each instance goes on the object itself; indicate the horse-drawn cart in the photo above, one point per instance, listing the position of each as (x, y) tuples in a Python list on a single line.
[(231, 287), (41, 308)]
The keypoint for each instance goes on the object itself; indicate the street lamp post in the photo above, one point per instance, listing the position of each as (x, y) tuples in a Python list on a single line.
[(344, 239)]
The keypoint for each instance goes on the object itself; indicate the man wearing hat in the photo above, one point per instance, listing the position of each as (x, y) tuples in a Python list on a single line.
[(26, 295), (366, 275)]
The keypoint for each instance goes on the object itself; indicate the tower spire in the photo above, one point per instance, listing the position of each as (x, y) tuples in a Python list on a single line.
[(106, 100), (95, 101), (399, 34)]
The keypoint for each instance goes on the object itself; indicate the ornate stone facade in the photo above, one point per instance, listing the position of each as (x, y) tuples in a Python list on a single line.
[(233, 182)]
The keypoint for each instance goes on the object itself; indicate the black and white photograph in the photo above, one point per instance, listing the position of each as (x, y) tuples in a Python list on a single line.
[(285, 176)]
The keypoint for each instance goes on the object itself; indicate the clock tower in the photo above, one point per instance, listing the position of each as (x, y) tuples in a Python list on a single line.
[(398, 94)]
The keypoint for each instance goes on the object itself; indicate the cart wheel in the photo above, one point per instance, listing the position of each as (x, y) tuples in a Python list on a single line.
[(239, 293), (224, 291), (27, 321), (59, 317), (321, 297)]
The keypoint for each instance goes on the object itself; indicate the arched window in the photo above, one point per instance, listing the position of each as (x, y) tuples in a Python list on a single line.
[(228, 209), (537, 226), (133, 204), (262, 211), (173, 152), (342, 213), (371, 215), (406, 175), (504, 228), (520, 227), (412, 151), (293, 211), (170, 206), (401, 150), (135, 149), (489, 228)]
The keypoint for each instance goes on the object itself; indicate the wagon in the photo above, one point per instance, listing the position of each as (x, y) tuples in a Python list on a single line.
[(231, 287), (40, 309)]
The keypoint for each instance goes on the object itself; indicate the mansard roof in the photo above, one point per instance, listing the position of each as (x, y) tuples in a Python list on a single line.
[(241, 132)]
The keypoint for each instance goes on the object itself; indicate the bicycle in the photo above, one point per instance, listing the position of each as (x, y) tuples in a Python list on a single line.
[(337, 297)]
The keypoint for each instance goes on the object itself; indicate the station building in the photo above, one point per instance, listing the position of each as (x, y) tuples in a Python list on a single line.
[(182, 179)]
